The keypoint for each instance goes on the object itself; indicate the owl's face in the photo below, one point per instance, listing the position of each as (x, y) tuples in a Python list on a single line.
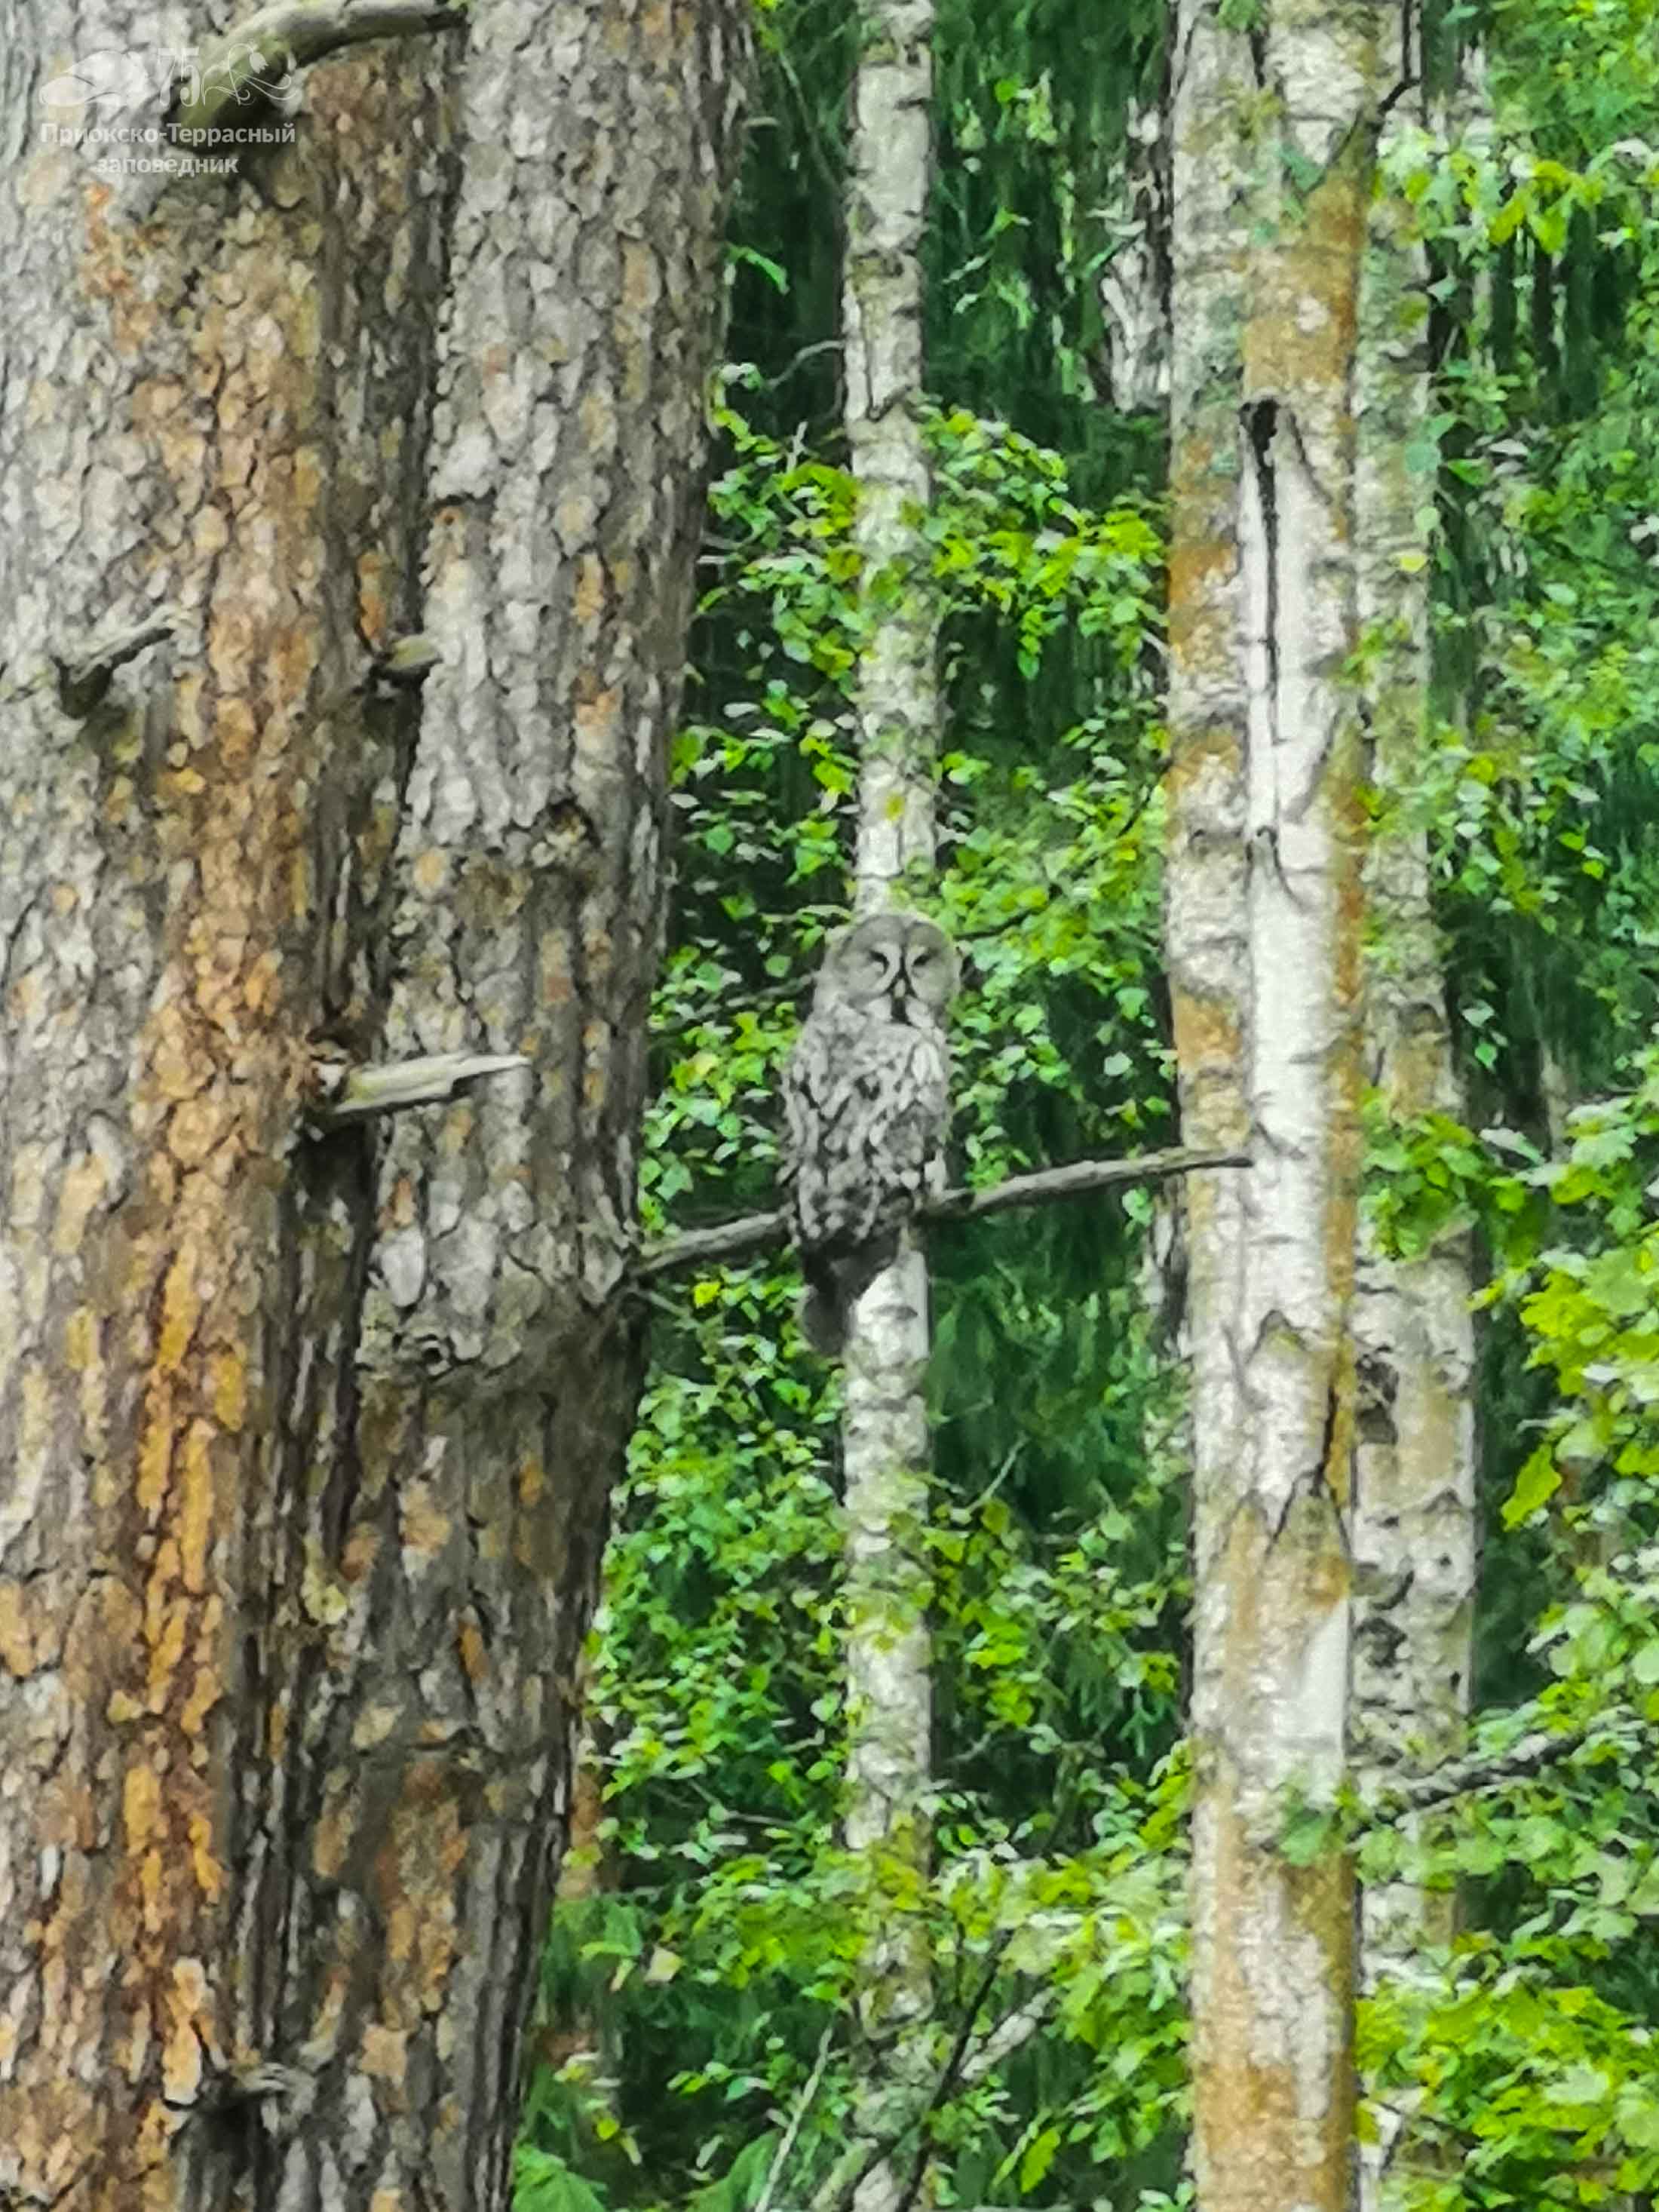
[(895, 966)]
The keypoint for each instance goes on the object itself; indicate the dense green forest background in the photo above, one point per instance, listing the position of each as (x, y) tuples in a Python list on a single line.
[(698, 1972)]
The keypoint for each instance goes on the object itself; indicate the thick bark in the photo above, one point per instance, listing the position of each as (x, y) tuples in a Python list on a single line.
[(308, 1437), (1414, 1486), (885, 1434), (1272, 163)]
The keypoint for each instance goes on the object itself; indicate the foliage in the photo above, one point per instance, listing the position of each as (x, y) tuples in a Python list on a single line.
[(723, 1948), (731, 1930)]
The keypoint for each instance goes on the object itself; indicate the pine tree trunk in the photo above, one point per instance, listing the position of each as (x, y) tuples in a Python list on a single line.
[(308, 1437), (1272, 171), (885, 1444), (1414, 1487)]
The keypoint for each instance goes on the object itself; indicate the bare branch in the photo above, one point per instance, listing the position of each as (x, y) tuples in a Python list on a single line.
[(242, 66), (1010, 2034), (82, 681), (1044, 1185), (1460, 1778), (755, 1232), (353, 1094), (803, 2104), (249, 74), (950, 2070)]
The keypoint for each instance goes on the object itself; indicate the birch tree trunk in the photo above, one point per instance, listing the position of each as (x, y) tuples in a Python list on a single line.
[(307, 1438), (885, 1445), (1414, 1473), (1272, 156)]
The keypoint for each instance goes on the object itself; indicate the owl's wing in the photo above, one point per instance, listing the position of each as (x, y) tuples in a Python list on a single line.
[(919, 1116), (812, 1103)]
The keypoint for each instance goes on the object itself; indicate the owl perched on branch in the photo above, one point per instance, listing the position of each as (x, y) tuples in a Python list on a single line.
[(867, 1102)]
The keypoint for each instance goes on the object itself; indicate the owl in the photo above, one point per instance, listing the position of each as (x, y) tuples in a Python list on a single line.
[(868, 1102)]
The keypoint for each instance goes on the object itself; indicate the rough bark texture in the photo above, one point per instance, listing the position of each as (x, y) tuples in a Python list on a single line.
[(1415, 1476), (885, 1444), (307, 1440), (1272, 166)]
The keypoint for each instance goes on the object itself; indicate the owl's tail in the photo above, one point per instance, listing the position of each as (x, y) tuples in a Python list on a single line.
[(837, 1276)]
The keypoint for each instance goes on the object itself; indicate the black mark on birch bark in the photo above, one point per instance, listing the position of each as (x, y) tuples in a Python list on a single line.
[(1261, 423)]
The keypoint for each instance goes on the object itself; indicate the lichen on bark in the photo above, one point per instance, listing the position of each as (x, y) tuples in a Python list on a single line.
[(309, 1437)]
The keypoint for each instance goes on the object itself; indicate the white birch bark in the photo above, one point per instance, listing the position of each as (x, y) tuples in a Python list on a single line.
[(885, 1430), (889, 161), (1414, 1486), (1134, 285), (1272, 164)]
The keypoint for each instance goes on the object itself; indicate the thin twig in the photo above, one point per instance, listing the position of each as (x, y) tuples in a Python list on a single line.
[(803, 2104), (951, 2067), (755, 1232), (1459, 1777)]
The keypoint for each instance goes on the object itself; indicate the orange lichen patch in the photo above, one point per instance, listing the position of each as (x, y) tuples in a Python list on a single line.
[(373, 1725), (468, 1642), (332, 1837), (194, 1504), (597, 416), (587, 595), (373, 615), (457, 1130), (227, 1387), (597, 718), (557, 988), (431, 870), (169, 1627), (574, 517), (181, 1310), (384, 2053), (207, 1689), (1300, 332), (642, 278), (210, 1877), (1256, 2124), (532, 1481), (26, 998), (154, 1452), (1208, 1032), (401, 1924), (195, 1129), (363, 1548), (16, 1632), (174, 1069), (141, 1807), (105, 274), (154, 399), (29, 1185), (186, 2003), (1197, 564), (80, 1190)]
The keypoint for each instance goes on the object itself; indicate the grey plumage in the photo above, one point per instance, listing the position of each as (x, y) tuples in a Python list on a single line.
[(867, 1103)]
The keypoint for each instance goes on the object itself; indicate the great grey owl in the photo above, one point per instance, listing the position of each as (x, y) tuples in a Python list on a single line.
[(867, 1102)]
